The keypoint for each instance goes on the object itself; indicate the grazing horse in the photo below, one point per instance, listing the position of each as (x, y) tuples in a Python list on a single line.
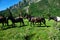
[(3, 20), (36, 19), (15, 20), (57, 19)]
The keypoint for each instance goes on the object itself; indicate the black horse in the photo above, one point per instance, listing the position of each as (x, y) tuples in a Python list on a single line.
[(52, 18), (3, 20), (15, 20), (33, 19)]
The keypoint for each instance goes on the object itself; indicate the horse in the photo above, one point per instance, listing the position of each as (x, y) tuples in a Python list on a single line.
[(3, 20), (55, 18), (33, 19), (15, 20), (52, 18)]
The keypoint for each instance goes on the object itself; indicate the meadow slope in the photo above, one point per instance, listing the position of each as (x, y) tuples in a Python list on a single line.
[(31, 32)]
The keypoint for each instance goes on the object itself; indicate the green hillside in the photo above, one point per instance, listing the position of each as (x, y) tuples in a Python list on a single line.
[(45, 7)]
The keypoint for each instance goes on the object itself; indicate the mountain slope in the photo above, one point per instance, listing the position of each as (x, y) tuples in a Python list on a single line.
[(44, 7)]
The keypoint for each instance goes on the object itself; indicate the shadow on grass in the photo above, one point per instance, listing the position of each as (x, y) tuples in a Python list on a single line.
[(10, 26), (43, 26), (7, 28)]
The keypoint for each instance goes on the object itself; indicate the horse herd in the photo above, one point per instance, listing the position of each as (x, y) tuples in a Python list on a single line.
[(32, 19)]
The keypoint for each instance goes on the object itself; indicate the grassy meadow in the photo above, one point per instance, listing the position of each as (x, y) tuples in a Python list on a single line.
[(30, 32)]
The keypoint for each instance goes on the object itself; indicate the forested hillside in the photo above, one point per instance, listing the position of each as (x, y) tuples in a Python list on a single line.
[(45, 7)]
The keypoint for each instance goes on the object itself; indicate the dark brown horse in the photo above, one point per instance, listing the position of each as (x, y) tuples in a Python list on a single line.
[(33, 19)]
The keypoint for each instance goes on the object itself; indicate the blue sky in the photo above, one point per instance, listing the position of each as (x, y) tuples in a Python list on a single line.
[(7, 3)]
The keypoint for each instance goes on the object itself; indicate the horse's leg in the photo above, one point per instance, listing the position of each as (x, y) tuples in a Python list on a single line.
[(20, 23), (56, 22), (7, 23), (40, 23), (33, 23), (44, 22), (13, 24), (23, 23), (30, 23), (2, 25)]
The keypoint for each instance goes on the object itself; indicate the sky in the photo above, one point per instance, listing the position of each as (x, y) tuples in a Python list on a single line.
[(7, 3)]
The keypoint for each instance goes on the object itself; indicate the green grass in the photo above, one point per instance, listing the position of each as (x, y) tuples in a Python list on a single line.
[(19, 33)]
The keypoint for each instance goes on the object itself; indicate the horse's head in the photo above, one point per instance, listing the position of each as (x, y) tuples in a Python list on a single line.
[(52, 17), (27, 16)]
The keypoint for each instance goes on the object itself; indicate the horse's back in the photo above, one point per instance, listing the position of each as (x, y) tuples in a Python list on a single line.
[(18, 19), (36, 19)]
